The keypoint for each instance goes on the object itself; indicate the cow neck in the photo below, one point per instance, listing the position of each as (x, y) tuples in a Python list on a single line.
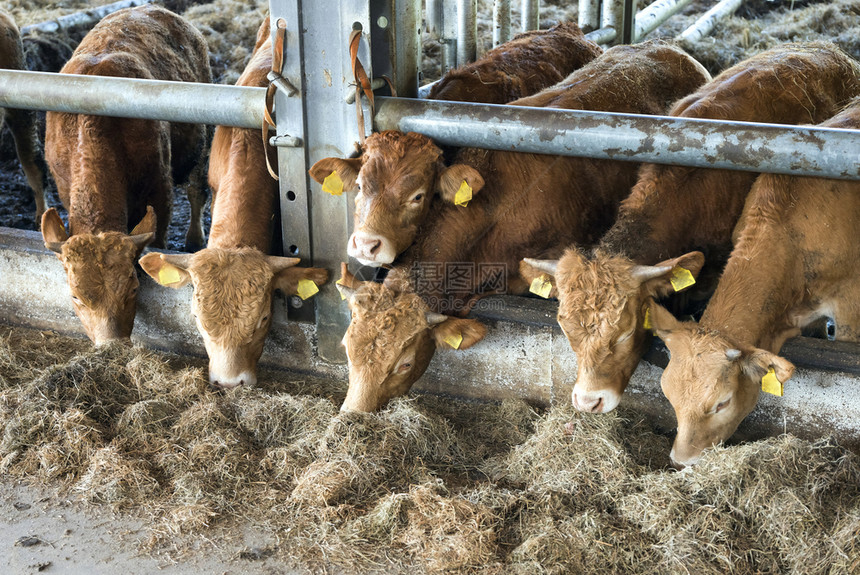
[(243, 211), (758, 290), (98, 197)]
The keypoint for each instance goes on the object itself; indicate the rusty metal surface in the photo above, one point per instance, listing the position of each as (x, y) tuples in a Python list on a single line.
[(806, 151), (133, 98)]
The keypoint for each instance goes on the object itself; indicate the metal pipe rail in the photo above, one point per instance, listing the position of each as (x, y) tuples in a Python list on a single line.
[(747, 146), (133, 98)]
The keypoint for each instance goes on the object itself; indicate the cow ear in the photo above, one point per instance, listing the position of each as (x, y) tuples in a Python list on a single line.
[(757, 363), (167, 269), (53, 231), (147, 225), (346, 168), (452, 177), (658, 279), (663, 322), (531, 269), (458, 333), (288, 280)]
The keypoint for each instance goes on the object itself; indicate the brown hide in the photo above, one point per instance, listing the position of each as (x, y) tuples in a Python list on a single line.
[(529, 203), (675, 209), (515, 69), (21, 122), (108, 170), (795, 261), (233, 278), (523, 66)]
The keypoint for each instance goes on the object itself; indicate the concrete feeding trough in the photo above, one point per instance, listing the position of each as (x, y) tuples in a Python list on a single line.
[(524, 355)]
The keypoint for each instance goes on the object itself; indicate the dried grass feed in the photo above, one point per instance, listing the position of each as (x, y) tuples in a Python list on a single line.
[(428, 485)]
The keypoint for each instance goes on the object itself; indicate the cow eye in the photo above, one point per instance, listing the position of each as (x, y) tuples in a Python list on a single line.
[(626, 336), (722, 405), (417, 198), (78, 301), (404, 367)]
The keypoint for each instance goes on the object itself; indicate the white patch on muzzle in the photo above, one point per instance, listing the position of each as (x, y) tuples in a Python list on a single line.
[(601, 401), (370, 249)]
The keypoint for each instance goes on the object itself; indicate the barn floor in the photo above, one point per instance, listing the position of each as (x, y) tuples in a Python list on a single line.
[(42, 532)]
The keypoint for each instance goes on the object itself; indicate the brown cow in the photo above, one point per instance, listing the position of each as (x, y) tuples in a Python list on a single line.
[(108, 170), (672, 210), (795, 261), (527, 203), (520, 67), (502, 75), (21, 122), (233, 278)]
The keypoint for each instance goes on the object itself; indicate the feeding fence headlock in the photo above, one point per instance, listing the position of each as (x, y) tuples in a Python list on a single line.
[(313, 122)]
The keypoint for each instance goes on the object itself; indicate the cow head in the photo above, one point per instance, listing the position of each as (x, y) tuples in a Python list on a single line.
[(392, 338), (232, 302), (101, 273), (601, 309), (396, 176), (711, 383)]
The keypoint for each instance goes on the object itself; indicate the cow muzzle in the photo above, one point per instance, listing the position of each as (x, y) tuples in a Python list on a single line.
[(602, 401), (371, 249)]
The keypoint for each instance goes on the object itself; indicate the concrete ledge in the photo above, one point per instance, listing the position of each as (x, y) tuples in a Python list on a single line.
[(524, 355)]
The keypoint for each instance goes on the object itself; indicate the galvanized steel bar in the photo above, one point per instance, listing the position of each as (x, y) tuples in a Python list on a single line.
[(467, 31), (433, 17), (602, 35), (612, 13), (449, 35), (628, 22), (806, 151), (588, 16), (655, 14), (530, 10), (704, 25), (405, 41), (501, 21), (133, 98)]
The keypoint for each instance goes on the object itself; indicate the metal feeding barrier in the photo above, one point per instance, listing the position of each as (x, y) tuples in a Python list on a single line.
[(316, 122)]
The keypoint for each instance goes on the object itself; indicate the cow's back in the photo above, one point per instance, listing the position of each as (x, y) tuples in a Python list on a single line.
[(644, 78), (521, 67), (797, 83), (244, 192), (149, 42), (675, 209)]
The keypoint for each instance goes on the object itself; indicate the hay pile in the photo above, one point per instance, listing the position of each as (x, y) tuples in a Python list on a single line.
[(427, 485)]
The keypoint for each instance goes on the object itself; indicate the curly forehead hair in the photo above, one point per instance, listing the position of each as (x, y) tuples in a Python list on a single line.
[(231, 286), (594, 290), (383, 318), (395, 145), (106, 249)]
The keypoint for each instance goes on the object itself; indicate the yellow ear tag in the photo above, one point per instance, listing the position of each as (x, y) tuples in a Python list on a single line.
[(770, 383), (454, 340), (646, 322), (306, 288), (340, 283), (463, 195), (332, 184), (681, 278), (168, 275), (541, 286)]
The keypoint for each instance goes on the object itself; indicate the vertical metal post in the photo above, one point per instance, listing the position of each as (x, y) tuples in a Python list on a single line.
[(589, 15), (467, 31), (316, 224), (628, 22), (530, 15), (434, 17), (501, 21), (396, 43), (612, 16), (449, 35)]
